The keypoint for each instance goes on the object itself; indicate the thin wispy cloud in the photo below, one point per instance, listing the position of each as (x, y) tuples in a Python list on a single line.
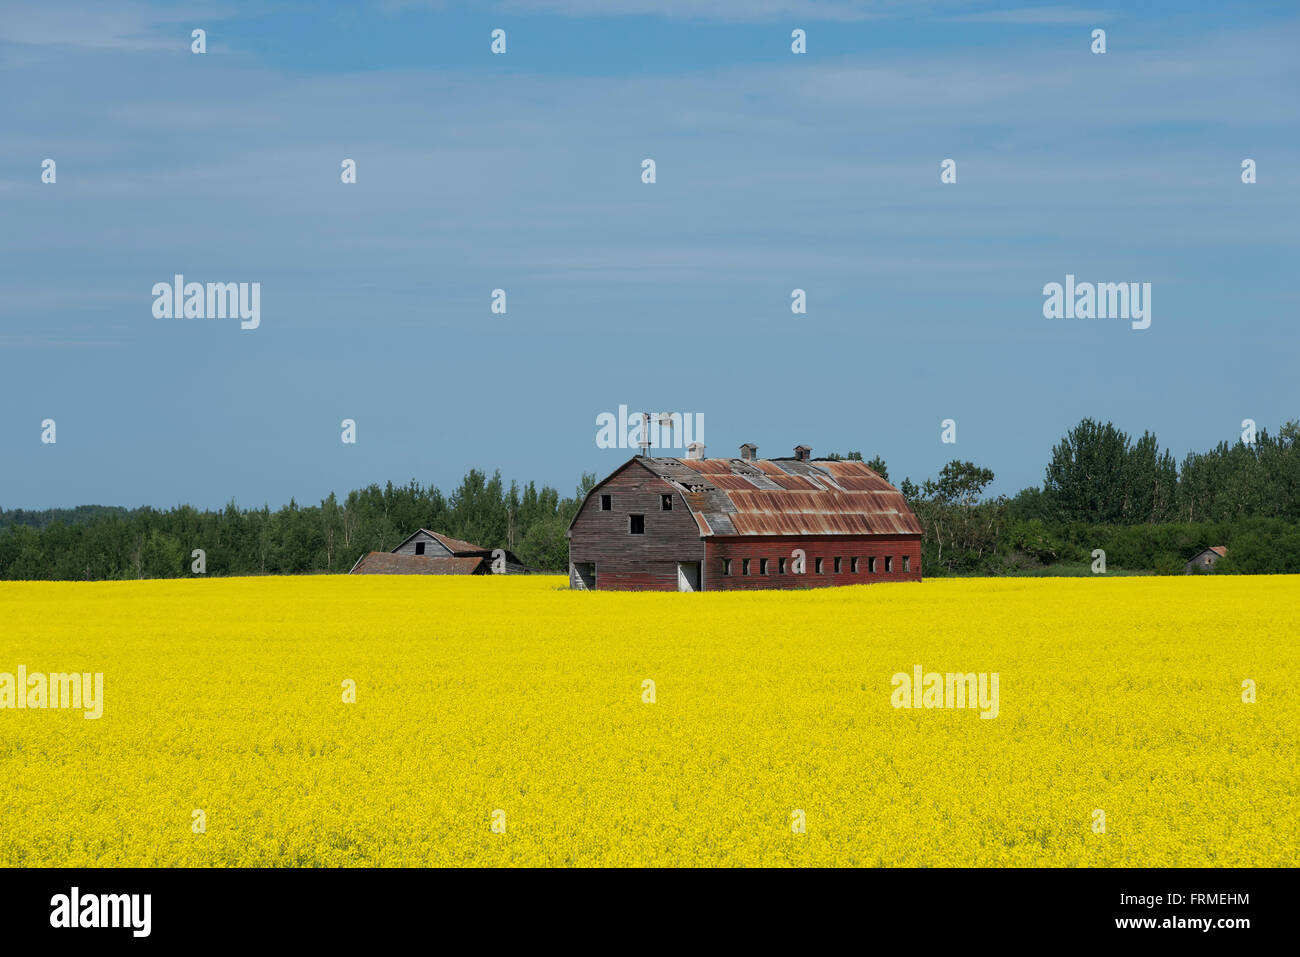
[(737, 11), (1037, 16), (106, 26), (775, 171)]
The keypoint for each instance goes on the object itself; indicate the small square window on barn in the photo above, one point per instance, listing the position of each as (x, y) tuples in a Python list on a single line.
[(419, 548), (889, 564), (907, 563), (780, 566), (839, 563), (762, 566), (606, 503), (871, 565), (666, 503), (636, 524), (726, 566), (818, 566), (744, 566), (853, 566)]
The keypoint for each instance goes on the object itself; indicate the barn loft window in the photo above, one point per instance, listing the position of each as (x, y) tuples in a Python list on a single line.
[(853, 566), (818, 566), (762, 566), (780, 566), (907, 563), (636, 524), (744, 566), (419, 548), (606, 503), (839, 563), (726, 566), (666, 503), (871, 565), (889, 564)]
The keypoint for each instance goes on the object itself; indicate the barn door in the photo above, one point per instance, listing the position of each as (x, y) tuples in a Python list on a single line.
[(688, 576), (584, 576)]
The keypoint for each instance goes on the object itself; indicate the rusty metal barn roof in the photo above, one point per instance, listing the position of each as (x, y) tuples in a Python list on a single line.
[(786, 497)]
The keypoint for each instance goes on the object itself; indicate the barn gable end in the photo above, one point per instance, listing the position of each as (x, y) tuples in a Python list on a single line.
[(647, 560), (432, 548)]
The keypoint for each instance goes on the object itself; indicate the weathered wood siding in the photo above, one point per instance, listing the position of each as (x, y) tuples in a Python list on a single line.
[(432, 547), (635, 562), (825, 547), (1203, 562)]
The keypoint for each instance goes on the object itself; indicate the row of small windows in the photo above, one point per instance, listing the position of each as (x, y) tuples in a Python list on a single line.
[(636, 526), (819, 565)]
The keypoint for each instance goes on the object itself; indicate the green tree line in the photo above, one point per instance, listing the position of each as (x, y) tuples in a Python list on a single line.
[(1104, 489), (109, 543)]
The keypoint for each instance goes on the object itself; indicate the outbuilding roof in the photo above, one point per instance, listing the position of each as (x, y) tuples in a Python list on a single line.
[(386, 563), (453, 545)]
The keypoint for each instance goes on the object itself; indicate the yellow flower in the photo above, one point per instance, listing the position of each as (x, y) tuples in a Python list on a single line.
[(473, 696)]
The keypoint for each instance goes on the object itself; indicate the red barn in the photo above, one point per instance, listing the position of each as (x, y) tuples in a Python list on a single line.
[(696, 524)]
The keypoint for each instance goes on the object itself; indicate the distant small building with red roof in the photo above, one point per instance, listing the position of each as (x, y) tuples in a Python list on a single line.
[(432, 553), (1203, 561)]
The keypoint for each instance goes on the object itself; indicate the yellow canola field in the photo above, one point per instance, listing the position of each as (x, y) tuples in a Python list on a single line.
[(514, 701)]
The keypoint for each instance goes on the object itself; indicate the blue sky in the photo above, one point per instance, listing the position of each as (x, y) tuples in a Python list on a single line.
[(522, 172)]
